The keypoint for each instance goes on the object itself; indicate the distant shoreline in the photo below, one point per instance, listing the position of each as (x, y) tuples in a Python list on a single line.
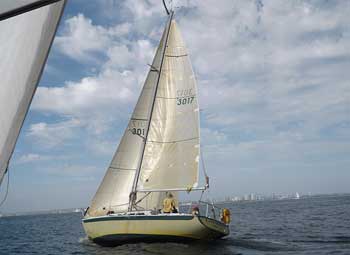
[(81, 209)]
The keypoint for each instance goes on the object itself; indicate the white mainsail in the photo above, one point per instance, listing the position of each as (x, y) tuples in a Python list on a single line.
[(164, 153), (25, 41)]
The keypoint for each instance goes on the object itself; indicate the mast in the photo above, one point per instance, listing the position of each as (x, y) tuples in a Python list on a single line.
[(132, 197)]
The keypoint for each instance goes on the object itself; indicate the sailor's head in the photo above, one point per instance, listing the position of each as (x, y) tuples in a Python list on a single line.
[(169, 195)]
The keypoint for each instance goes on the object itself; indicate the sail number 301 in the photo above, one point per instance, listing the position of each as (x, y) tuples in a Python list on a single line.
[(184, 100), (138, 131)]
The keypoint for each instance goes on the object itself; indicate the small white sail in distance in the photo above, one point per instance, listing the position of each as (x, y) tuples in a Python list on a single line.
[(27, 29), (161, 153)]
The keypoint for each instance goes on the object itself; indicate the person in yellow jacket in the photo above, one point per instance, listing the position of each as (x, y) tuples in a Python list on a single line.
[(169, 204)]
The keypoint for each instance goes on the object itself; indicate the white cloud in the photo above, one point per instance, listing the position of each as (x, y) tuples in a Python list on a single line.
[(98, 100), (272, 77), (259, 64), (80, 172), (31, 157), (81, 40), (50, 135)]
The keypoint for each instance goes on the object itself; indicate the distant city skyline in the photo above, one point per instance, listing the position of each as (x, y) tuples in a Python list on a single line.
[(273, 86)]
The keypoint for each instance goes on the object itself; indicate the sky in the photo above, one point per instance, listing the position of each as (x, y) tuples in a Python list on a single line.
[(274, 93)]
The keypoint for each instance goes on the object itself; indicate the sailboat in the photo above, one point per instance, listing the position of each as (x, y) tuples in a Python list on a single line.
[(27, 29), (157, 155)]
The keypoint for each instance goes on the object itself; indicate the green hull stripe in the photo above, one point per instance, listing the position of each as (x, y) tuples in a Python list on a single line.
[(117, 218)]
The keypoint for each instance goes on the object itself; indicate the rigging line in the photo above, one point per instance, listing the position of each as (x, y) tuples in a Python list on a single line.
[(201, 155), (7, 187), (139, 208), (166, 8), (200, 199), (142, 198), (202, 161)]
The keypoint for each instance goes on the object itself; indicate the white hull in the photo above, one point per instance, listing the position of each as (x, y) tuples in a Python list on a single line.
[(114, 230)]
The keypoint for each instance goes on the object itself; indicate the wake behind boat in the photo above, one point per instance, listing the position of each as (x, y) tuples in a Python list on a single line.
[(158, 155)]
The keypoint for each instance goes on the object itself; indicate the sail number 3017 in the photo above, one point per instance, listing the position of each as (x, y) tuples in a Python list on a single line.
[(184, 100)]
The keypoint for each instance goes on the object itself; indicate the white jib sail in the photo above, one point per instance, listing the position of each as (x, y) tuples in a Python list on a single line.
[(113, 193), (25, 41)]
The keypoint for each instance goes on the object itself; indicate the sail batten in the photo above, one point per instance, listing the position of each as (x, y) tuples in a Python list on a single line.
[(25, 43)]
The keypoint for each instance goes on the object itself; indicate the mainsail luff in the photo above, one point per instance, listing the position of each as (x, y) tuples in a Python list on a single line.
[(25, 50)]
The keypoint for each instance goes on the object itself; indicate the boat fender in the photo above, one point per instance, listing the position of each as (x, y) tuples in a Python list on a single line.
[(226, 216), (195, 210)]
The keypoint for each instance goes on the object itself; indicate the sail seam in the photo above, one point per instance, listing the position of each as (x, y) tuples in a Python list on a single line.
[(139, 119), (175, 141), (176, 56), (125, 169), (174, 97)]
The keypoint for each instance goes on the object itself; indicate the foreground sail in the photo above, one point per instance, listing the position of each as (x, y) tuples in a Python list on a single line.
[(158, 153), (27, 29)]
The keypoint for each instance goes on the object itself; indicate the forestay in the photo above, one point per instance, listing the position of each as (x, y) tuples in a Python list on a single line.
[(25, 41)]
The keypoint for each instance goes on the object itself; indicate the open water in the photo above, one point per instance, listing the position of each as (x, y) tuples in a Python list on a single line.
[(319, 225)]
